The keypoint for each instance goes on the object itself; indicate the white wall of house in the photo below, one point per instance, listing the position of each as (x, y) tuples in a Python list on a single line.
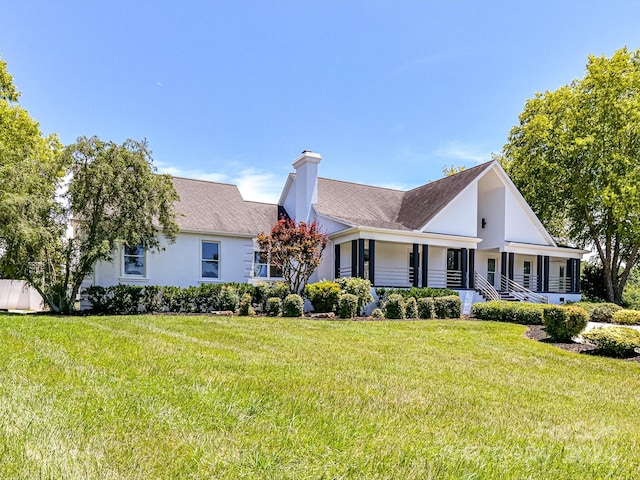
[(460, 217), (491, 208), (180, 264), (519, 225)]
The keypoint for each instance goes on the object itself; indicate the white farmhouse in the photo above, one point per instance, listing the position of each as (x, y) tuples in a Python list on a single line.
[(472, 231)]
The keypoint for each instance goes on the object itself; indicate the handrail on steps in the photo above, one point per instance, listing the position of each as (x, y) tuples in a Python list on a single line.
[(485, 288), (521, 293)]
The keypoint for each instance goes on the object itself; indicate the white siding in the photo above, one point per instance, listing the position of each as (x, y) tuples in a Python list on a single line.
[(460, 217), (491, 208), (519, 226)]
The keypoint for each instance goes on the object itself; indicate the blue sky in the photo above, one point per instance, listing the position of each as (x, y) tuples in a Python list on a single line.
[(388, 92)]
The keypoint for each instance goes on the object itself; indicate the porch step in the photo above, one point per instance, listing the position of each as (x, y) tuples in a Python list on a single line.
[(508, 297)]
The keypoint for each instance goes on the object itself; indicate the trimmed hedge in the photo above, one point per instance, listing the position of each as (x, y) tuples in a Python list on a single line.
[(323, 295), (411, 308), (603, 312), (245, 308), (447, 307), (626, 317), (377, 313), (394, 307), (385, 292), (614, 341), (274, 306), (564, 323), (426, 308), (293, 306), (359, 287), (347, 305), (512, 312)]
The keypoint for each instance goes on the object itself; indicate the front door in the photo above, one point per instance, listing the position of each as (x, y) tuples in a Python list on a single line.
[(491, 271)]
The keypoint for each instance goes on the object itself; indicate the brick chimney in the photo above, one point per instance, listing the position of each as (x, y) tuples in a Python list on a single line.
[(306, 166)]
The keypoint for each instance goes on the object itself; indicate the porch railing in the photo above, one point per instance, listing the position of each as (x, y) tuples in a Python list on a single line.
[(485, 288), (521, 293), (403, 276), (560, 284)]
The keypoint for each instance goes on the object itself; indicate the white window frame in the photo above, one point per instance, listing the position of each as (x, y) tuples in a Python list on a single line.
[(124, 256), (218, 261), (268, 266)]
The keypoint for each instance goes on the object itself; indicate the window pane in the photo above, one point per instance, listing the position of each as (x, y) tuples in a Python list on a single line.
[(136, 250), (209, 269), (133, 265), (210, 251)]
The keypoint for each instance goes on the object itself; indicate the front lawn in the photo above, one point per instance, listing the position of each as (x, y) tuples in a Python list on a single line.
[(208, 397)]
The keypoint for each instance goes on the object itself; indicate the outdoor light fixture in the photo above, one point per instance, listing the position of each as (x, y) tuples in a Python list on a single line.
[(484, 223)]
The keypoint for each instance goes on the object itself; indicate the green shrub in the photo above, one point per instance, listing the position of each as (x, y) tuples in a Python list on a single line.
[(384, 293), (228, 300), (347, 305), (426, 308), (394, 307), (604, 312), (447, 307), (99, 298), (152, 299), (322, 295), (126, 299), (245, 308), (411, 308), (626, 317), (359, 287), (377, 313), (266, 290), (513, 312), (293, 306), (274, 306), (588, 306), (564, 323), (614, 341)]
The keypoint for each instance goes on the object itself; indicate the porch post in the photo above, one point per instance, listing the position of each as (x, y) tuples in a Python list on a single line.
[(425, 266), (545, 282), (472, 267), (372, 261), (512, 263), (463, 268), (503, 269), (336, 261), (416, 265), (539, 274), (361, 257), (570, 275), (354, 258), (577, 263)]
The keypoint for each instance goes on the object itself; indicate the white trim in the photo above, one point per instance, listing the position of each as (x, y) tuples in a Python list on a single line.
[(531, 249), (408, 237), (133, 277), (202, 278)]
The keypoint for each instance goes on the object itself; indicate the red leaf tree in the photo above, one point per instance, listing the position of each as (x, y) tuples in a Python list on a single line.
[(296, 248)]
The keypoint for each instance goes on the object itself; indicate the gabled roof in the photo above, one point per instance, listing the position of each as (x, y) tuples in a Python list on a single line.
[(369, 206), (219, 207)]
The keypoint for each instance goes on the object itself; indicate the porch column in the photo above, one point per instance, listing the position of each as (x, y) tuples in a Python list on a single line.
[(512, 263), (354, 258), (503, 269), (372, 261), (539, 274), (472, 268), (463, 268), (361, 257), (577, 284), (545, 281), (416, 264), (425, 266), (336, 261), (570, 275)]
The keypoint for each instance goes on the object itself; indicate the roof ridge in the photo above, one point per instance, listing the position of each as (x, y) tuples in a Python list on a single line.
[(203, 180)]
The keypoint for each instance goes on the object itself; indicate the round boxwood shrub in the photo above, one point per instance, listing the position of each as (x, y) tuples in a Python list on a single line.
[(394, 308), (293, 306), (274, 306), (347, 305), (614, 341), (626, 317), (246, 309), (604, 312), (447, 307), (229, 298), (359, 287), (425, 308), (322, 295), (411, 308), (564, 323), (377, 313)]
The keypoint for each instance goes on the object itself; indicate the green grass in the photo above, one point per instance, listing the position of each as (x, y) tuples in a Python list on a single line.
[(207, 397)]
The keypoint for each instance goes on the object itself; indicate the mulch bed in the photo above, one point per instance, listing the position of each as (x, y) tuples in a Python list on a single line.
[(537, 332)]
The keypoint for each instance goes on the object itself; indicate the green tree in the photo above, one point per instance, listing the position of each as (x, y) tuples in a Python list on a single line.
[(575, 158), (31, 170), (296, 248), (449, 170)]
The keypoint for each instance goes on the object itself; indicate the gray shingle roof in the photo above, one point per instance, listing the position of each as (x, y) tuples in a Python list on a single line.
[(219, 207), (368, 206)]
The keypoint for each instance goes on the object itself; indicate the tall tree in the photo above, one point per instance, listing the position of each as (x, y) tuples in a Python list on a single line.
[(296, 248), (575, 156)]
